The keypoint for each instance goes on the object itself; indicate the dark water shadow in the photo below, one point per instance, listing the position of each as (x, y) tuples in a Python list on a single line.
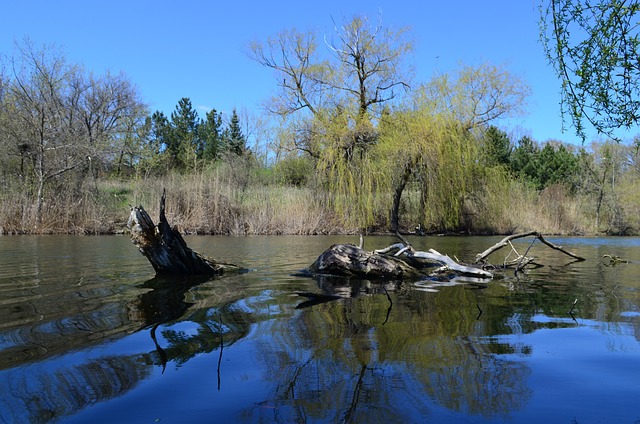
[(166, 301), (119, 368)]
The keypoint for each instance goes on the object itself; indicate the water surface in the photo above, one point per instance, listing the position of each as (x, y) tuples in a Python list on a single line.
[(88, 334)]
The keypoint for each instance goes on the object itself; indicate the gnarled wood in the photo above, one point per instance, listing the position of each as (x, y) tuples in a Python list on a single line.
[(353, 261), (398, 261), (165, 248), (451, 264)]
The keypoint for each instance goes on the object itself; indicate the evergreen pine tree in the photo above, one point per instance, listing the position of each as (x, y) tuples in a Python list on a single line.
[(525, 160), (234, 138), (497, 147), (210, 134), (159, 132), (183, 143)]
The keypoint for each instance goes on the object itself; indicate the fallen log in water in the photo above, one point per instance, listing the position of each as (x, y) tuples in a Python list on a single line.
[(353, 261), (398, 261), (520, 261), (165, 248), (401, 261)]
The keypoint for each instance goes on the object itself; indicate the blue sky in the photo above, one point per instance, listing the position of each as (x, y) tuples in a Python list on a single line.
[(196, 49)]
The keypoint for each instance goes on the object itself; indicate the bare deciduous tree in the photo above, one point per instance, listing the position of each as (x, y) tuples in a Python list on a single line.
[(57, 118), (362, 69)]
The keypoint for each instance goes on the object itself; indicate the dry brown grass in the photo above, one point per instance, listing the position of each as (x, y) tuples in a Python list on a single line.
[(216, 201)]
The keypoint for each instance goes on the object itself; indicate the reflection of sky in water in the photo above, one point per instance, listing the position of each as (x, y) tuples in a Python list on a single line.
[(584, 371), (170, 396)]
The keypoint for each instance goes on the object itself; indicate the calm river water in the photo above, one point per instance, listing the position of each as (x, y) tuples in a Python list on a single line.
[(88, 335)]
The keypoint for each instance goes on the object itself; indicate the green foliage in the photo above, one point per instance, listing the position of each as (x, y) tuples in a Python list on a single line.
[(294, 170), (552, 164), (187, 141), (351, 174), (448, 179), (594, 48), (438, 153), (524, 159), (485, 209), (497, 147), (361, 158), (234, 140), (210, 135), (182, 142), (556, 165), (362, 71), (476, 96)]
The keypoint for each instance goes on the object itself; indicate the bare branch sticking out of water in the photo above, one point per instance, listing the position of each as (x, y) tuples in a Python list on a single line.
[(481, 257)]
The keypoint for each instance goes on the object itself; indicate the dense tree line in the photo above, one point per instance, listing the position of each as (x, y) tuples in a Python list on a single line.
[(361, 143)]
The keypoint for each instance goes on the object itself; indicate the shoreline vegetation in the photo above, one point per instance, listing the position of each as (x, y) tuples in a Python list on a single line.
[(329, 154), (215, 202)]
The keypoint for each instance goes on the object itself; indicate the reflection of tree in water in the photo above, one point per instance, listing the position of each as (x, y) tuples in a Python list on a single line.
[(215, 327), (36, 392), (467, 378), (36, 395), (343, 361)]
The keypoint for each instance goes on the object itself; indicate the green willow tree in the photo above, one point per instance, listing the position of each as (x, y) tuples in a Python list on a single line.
[(467, 101), (594, 49), (435, 151), (331, 101)]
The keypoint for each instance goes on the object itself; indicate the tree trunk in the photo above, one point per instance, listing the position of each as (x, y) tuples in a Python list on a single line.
[(397, 197), (165, 248)]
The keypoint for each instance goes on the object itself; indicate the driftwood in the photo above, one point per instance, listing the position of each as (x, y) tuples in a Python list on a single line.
[(522, 259), (353, 261), (398, 261), (165, 248), (401, 261)]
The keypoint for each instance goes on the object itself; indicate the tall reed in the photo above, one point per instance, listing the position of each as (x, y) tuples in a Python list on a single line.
[(218, 200)]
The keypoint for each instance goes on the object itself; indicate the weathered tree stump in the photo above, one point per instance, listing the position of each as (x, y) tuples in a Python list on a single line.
[(165, 248)]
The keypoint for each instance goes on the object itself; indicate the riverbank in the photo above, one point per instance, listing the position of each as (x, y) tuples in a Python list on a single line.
[(211, 204)]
